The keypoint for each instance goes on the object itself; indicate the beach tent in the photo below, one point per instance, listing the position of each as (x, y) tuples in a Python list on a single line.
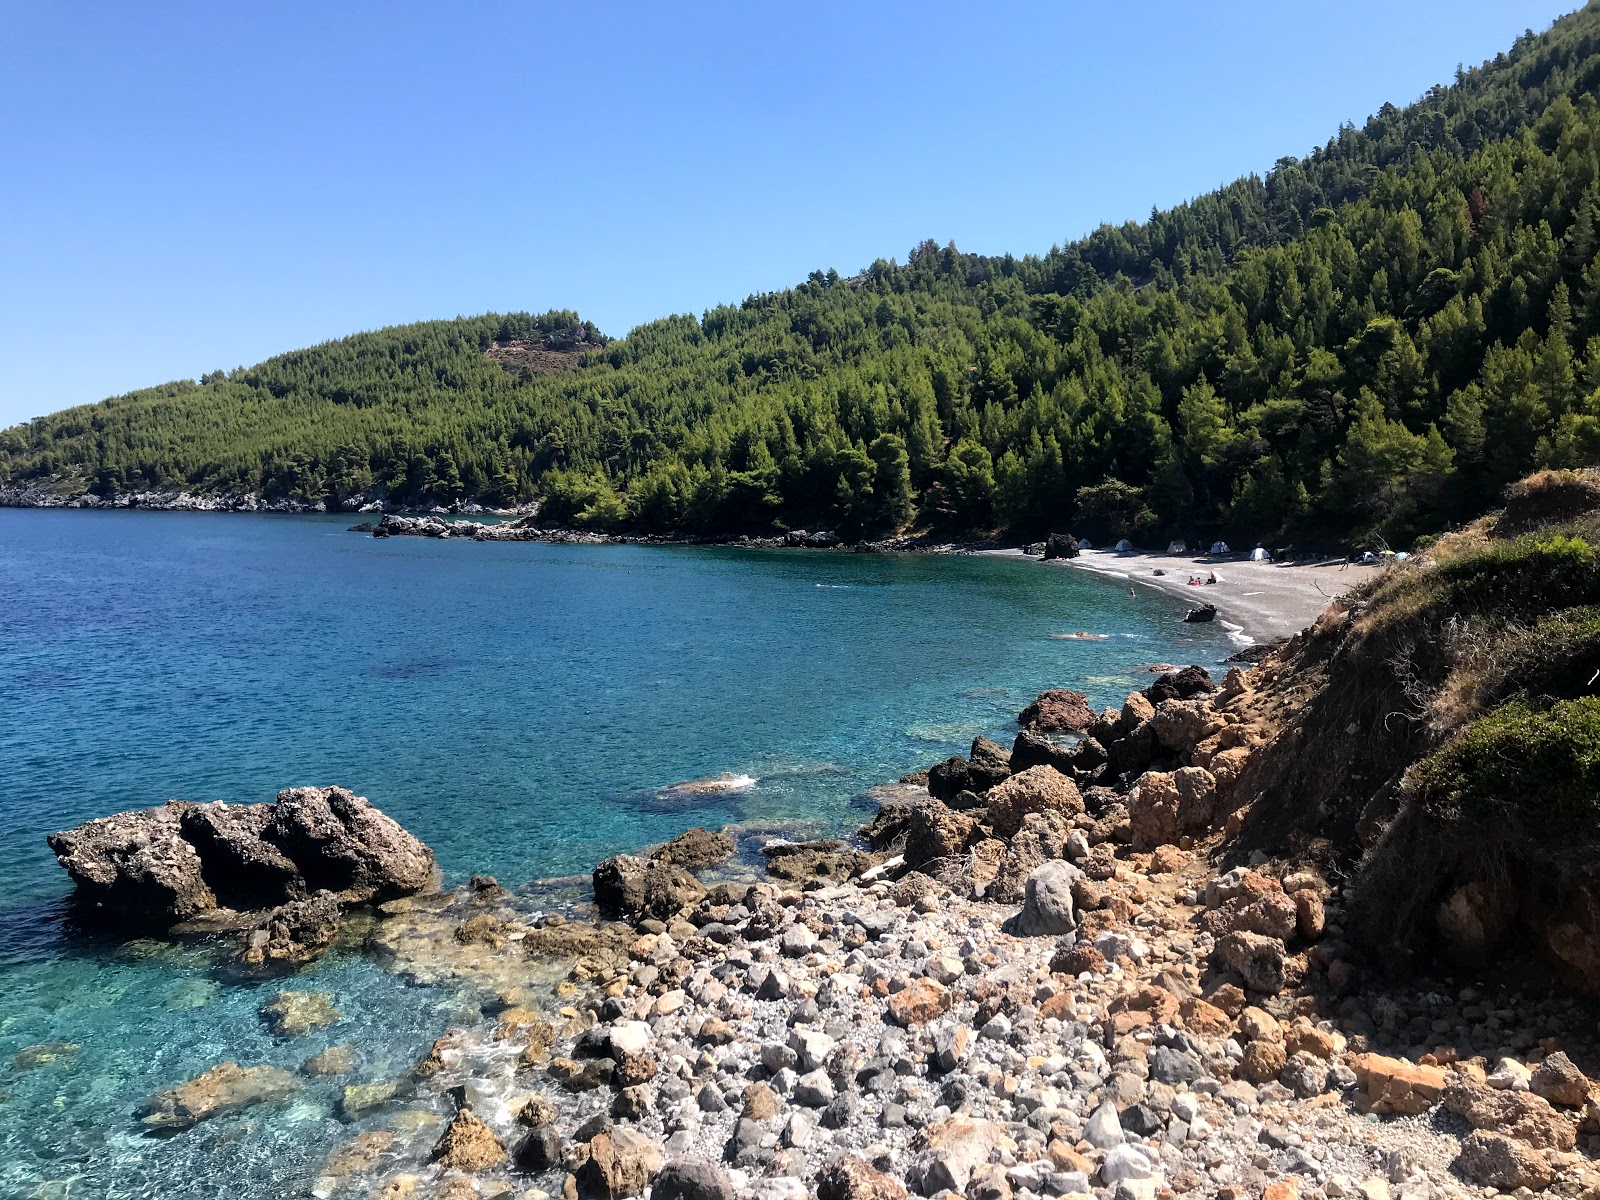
[(1124, 546), (1369, 558), (1219, 547), (1083, 544), (1178, 546), (1259, 554)]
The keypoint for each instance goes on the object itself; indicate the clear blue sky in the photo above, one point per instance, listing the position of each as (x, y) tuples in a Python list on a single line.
[(193, 186)]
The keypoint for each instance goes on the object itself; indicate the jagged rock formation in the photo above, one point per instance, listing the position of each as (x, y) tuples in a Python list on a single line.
[(303, 855)]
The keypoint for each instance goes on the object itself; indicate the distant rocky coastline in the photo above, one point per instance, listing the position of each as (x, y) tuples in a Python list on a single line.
[(1029, 976), (170, 500)]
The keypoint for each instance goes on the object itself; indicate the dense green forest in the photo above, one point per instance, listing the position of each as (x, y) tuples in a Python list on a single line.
[(1371, 340)]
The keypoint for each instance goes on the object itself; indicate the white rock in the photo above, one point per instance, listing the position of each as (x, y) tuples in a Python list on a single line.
[(814, 1090), (670, 1002), (1186, 1107), (778, 1187), (798, 1132), (1510, 1076), (941, 968), (996, 1028), (811, 1047), (1124, 1162), (1104, 1129), (630, 1037), (798, 941)]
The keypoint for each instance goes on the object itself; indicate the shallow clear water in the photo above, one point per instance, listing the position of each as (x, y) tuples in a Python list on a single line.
[(518, 706)]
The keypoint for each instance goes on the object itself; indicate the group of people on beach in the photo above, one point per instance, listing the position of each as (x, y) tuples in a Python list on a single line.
[(1196, 581)]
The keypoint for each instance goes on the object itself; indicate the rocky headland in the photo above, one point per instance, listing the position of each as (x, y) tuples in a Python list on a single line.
[(1034, 973)]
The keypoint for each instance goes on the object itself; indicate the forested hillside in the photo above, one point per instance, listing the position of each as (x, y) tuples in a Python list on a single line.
[(1374, 339)]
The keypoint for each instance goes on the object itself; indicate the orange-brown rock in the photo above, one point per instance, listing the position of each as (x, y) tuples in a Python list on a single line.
[(1396, 1086), (920, 1001), (1036, 790), (469, 1145), (1520, 1115), (1205, 1020), (1262, 1061)]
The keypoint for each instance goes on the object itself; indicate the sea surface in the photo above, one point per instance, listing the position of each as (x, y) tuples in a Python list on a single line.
[(523, 708)]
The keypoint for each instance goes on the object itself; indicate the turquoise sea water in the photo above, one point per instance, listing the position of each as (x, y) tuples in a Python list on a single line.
[(518, 706)]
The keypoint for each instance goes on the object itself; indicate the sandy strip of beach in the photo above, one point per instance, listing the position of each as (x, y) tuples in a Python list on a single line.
[(1267, 600)]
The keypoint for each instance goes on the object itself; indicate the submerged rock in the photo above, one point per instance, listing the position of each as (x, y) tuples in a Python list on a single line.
[(223, 1088), (292, 933), (292, 1014)]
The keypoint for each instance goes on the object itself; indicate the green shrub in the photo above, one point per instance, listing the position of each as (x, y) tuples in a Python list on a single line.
[(1537, 768)]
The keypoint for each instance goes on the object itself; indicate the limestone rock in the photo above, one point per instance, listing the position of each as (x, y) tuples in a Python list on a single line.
[(1036, 790), (1164, 807), (469, 1145), (850, 1178), (1495, 1160), (223, 1088), (934, 831), (1047, 907), (136, 864), (621, 1163), (1259, 959), (920, 1001), (948, 1151), (168, 864), (292, 1014), (1396, 1086), (293, 933), (1180, 724), (1520, 1115), (343, 844)]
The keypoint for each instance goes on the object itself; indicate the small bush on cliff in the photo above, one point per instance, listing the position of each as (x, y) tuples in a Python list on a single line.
[(1539, 769)]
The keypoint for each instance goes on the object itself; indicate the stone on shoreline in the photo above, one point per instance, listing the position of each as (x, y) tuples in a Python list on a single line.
[(694, 849), (636, 889)]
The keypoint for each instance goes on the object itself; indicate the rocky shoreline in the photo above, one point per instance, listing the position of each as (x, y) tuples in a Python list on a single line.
[(1031, 977)]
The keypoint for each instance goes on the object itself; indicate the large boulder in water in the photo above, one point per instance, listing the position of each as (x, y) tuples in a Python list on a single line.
[(1060, 710), (342, 844), (1033, 749), (136, 864), (948, 779), (169, 864), (221, 1089)]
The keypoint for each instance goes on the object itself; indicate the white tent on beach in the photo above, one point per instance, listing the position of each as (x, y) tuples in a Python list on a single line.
[(1259, 554), (1124, 546), (1177, 546), (1220, 547), (1083, 544)]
